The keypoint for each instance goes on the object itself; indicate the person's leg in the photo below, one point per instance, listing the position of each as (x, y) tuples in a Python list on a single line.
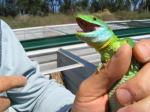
[(13, 61)]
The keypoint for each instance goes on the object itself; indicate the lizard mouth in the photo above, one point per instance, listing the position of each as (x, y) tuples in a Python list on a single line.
[(86, 26)]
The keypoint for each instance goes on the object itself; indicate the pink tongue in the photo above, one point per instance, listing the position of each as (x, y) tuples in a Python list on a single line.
[(89, 29), (96, 28)]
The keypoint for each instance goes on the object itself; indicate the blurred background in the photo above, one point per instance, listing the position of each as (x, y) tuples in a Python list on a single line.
[(28, 13)]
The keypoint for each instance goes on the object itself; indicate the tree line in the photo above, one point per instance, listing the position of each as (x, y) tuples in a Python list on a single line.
[(112, 5), (21, 7), (43, 7)]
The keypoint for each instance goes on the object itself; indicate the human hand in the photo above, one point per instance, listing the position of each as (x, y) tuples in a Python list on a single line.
[(92, 94), (136, 92), (7, 83)]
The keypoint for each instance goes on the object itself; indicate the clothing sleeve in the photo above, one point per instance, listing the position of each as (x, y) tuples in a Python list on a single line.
[(39, 94), (4, 94)]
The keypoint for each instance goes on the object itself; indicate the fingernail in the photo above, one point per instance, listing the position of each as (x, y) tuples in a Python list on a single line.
[(145, 51), (124, 97), (119, 51)]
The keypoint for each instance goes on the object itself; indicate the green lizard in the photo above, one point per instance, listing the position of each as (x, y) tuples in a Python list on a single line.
[(98, 35)]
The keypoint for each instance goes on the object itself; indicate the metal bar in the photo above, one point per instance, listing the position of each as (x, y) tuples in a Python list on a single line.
[(141, 37), (40, 27), (47, 72), (55, 49), (36, 44), (132, 31), (51, 26), (56, 29), (76, 58), (65, 53)]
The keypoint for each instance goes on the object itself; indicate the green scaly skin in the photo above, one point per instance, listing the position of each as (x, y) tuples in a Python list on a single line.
[(99, 36)]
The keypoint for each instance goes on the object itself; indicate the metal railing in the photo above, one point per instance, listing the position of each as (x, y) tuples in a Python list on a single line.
[(64, 29), (64, 40), (47, 58)]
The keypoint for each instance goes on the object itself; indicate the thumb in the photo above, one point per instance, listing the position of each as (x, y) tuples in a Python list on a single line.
[(101, 81), (135, 89)]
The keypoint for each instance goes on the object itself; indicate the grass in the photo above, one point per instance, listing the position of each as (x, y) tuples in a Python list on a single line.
[(132, 15), (31, 21), (122, 15), (53, 19)]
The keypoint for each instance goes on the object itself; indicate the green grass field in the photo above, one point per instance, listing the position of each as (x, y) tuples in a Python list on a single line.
[(53, 19)]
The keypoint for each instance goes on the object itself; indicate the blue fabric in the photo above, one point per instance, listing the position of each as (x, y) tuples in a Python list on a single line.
[(39, 94)]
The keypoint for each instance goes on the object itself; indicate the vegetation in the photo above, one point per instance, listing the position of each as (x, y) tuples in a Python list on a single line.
[(28, 13), (51, 19), (100, 5), (22, 7), (31, 21), (32, 7), (42, 7)]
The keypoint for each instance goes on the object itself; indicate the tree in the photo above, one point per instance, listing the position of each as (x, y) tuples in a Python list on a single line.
[(66, 6), (8, 7), (33, 7), (97, 5), (147, 6)]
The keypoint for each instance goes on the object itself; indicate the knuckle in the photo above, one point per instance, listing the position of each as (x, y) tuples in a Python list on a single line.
[(137, 89), (129, 108)]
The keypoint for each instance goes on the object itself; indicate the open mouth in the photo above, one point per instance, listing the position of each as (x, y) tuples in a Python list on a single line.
[(86, 26)]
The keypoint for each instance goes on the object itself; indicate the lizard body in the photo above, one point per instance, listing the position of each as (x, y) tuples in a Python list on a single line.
[(98, 35)]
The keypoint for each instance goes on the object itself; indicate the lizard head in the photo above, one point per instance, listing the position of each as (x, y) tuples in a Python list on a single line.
[(94, 31)]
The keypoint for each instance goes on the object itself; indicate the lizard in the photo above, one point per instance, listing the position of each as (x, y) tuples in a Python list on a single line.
[(97, 34)]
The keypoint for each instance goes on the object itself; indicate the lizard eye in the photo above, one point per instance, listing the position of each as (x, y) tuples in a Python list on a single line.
[(94, 18)]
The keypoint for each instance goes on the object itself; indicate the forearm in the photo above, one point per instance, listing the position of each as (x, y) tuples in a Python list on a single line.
[(9, 82), (4, 104)]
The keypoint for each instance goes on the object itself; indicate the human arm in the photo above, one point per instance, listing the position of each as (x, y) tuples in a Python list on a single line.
[(7, 83)]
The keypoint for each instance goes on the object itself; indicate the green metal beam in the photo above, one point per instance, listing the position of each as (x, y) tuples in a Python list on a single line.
[(49, 42)]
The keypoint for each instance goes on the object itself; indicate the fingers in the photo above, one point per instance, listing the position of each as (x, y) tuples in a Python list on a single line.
[(141, 106), (9, 82), (136, 88), (6, 83), (103, 80), (142, 51), (4, 104)]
